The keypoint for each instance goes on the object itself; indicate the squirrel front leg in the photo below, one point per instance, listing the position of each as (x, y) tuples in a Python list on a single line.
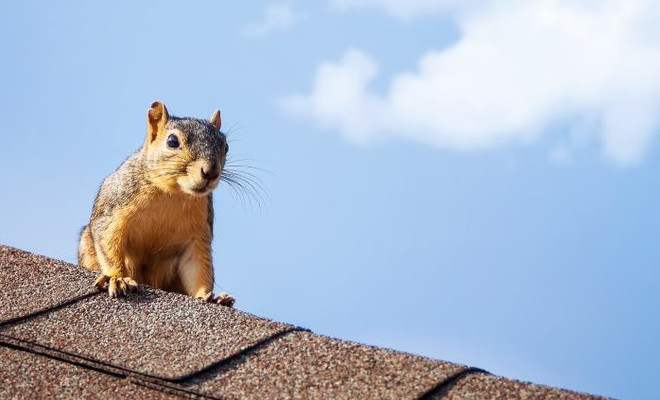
[(109, 248), (196, 272)]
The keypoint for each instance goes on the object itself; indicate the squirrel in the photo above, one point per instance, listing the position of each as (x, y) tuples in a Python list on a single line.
[(152, 219)]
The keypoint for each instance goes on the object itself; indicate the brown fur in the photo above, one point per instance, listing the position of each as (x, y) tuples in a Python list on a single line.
[(152, 220)]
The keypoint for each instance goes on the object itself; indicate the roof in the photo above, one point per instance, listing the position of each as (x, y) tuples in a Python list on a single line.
[(59, 337)]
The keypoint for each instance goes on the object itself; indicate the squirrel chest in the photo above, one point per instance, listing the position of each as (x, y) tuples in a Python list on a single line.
[(160, 226)]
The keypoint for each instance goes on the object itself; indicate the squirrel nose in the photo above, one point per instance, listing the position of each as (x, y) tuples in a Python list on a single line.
[(210, 172)]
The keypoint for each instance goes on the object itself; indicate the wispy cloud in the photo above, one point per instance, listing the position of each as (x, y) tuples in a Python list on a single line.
[(519, 68), (404, 9), (277, 17)]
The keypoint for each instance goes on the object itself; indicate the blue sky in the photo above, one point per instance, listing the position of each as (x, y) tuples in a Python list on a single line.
[(471, 181)]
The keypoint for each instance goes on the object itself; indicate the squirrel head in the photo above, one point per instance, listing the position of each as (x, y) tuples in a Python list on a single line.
[(184, 154)]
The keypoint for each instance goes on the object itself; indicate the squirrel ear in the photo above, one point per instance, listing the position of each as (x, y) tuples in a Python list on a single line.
[(216, 120), (156, 119)]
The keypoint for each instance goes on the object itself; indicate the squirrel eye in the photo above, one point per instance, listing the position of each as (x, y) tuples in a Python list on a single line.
[(172, 142), (226, 148)]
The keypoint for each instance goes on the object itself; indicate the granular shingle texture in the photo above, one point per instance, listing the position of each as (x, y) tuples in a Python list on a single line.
[(308, 366), (29, 376), (61, 339), (485, 386), (153, 333), (32, 283)]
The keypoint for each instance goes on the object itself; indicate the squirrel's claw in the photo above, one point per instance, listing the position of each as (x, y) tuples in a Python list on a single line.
[(131, 285), (101, 281), (225, 299), (116, 286)]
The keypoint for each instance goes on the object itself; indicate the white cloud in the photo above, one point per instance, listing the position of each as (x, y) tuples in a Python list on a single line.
[(518, 67), (277, 17), (404, 9)]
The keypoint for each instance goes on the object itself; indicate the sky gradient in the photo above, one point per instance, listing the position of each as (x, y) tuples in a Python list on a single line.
[(476, 183)]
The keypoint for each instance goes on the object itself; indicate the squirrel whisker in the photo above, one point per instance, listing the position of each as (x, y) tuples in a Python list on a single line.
[(246, 186)]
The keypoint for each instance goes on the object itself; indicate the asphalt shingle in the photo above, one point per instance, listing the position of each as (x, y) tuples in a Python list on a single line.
[(32, 283), (61, 338), (29, 376), (305, 365), (484, 386), (154, 333)]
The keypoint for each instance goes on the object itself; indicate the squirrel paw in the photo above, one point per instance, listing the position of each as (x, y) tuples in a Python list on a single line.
[(117, 286), (223, 299)]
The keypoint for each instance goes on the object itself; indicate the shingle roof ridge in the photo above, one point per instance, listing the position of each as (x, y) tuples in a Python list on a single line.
[(113, 369), (501, 387), (98, 365), (131, 376), (23, 318), (11, 343), (154, 383), (273, 343), (451, 381), (34, 284), (247, 351)]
